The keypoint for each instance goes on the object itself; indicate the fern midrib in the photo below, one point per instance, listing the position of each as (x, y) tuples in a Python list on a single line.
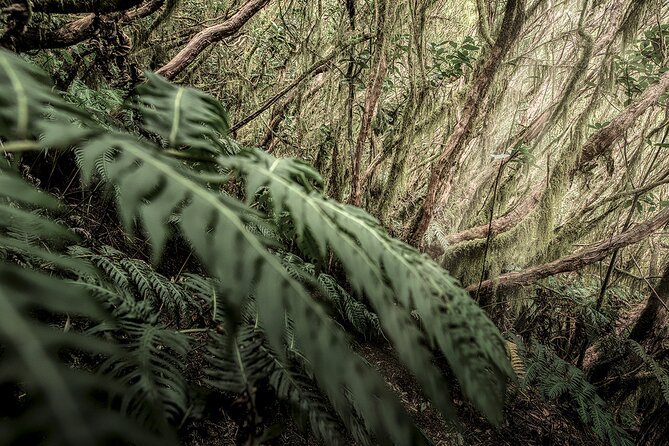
[(21, 98), (308, 199), (176, 116), (92, 286), (232, 217), (198, 190), (63, 406), (242, 369), (145, 365)]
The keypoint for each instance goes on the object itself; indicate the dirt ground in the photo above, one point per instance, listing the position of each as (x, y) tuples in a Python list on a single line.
[(528, 420)]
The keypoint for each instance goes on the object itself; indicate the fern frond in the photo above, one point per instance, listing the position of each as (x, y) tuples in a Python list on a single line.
[(152, 369), (294, 386), (184, 116), (516, 359), (351, 310), (215, 223), (238, 361), (139, 277), (62, 408), (555, 377), (22, 229), (655, 367), (26, 99), (241, 361), (452, 320)]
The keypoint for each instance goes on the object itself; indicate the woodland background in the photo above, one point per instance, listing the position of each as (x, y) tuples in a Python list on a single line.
[(473, 163)]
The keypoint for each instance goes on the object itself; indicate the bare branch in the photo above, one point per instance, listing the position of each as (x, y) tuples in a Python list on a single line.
[(210, 35)]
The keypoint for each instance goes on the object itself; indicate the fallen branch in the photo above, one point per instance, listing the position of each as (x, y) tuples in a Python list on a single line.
[(575, 261)]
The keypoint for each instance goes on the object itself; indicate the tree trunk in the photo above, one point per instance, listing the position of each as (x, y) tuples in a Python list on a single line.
[(442, 169)]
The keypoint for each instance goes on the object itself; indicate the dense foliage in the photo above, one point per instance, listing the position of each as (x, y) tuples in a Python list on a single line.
[(334, 222)]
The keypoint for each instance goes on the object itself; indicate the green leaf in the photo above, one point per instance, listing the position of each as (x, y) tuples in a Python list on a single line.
[(184, 116)]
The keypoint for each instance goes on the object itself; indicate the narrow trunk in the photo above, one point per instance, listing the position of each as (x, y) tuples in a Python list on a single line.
[(441, 172)]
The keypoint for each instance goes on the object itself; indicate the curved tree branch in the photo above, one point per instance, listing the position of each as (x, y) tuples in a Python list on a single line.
[(210, 35), (600, 141)]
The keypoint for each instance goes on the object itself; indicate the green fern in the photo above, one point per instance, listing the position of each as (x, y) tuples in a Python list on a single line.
[(139, 277), (61, 409), (276, 292), (238, 361), (363, 321), (655, 367), (60, 405), (152, 368), (371, 258), (155, 190), (22, 230), (556, 378), (294, 386), (241, 362), (184, 116)]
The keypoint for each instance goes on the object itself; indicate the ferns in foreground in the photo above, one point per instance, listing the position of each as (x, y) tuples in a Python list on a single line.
[(161, 193), (62, 402)]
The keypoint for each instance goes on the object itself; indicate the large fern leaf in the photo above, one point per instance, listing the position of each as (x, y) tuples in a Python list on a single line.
[(22, 228), (155, 190), (472, 344), (215, 223)]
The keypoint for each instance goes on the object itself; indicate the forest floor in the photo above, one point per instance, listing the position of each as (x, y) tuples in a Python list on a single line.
[(528, 421)]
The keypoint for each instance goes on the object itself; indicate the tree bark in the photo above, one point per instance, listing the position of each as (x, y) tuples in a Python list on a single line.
[(36, 38), (442, 170), (600, 141), (76, 31), (371, 101), (210, 35), (76, 6), (575, 261)]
